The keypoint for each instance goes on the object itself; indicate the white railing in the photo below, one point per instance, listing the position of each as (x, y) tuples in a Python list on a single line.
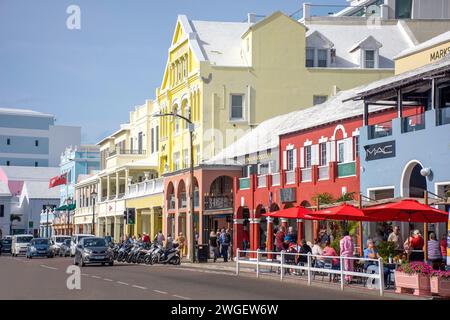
[(262, 181), (311, 266), (324, 172), (276, 179), (306, 175), (145, 188), (290, 177)]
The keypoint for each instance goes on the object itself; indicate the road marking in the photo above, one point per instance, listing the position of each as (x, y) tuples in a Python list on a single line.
[(124, 283), (108, 279), (162, 292), (47, 267), (96, 277), (139, 287), (181, 297), (85, 274)]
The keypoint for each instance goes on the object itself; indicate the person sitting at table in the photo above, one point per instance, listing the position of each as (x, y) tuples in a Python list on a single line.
[(317, 250), (434, 252), (329, 251), (416, 244), (372, 253), (304, 249)]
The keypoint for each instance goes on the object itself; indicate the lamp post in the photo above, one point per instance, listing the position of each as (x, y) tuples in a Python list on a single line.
[(68, 202), (93, 202), (191, 184), (47, 208)]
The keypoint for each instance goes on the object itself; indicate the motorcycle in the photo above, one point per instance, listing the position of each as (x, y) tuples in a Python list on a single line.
[(166, 256), (148, 256), (124, 251)]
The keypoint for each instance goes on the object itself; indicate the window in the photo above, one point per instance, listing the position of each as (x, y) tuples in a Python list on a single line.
[(36, 143), (309, 57), (341, 151), (36, 164), (177, 121), (322, 58), (140, 142), (369, 59), (237, 106), (8, 163), (186, 162), (187, 114), (319, 99), (356, 144), (157, 139), (177, 161), (290, 160), (308, 156), (403, 9), (8, 141), (2, 210), (131, 143), (152, 144), (323, 153)]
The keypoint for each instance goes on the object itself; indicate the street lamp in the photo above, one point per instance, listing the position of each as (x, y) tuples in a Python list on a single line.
[(68, 202), (47, 208), (191, 184), (93, 202)]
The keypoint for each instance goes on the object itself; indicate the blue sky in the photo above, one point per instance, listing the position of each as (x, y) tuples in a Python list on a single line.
[(92, 77)]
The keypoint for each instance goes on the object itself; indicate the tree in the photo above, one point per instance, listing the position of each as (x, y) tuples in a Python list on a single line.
[(12, 218)]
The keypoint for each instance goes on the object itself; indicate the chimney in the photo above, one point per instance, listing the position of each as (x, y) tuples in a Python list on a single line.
[(384, 11), (251, 18), (306, 11)]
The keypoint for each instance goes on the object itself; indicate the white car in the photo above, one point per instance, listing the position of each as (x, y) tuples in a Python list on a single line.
[(20, 243), (75, 240), (57, 242)]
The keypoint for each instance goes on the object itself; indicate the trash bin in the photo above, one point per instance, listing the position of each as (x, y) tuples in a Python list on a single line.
[(202, 253)]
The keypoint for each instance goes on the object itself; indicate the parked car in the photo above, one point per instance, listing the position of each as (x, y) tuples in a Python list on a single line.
[(19, 244), (93, 250), (40, 247), (75, 240), (5, 245), (58, 241), (64, 249)]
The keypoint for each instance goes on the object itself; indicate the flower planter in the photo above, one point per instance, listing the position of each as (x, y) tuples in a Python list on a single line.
[(405, 282), (440, 286)]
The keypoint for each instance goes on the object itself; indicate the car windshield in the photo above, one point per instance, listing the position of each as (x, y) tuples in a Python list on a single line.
[(40, 241), (61, 239), (94, 243), (82, 237), (24, 239), (6, 241)]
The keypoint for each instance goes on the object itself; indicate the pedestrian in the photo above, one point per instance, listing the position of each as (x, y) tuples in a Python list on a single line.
[(230, 241), (443, 246), (145, 238), (416, 244), (181, 240), (169, 242), (225, 243), (159, 238), (347, 248), (434, 252), (280, 238), (329, 251), (245, 242), (304, 250), (396, 238), (213, 246)]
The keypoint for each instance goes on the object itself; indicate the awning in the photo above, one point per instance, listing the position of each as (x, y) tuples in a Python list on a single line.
[(70, 207)]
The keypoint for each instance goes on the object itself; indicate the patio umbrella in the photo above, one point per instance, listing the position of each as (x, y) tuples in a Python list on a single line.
[(342, 212), (298, 212), (407, 210)]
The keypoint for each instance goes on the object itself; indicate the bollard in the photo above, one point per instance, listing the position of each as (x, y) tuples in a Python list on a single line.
[(257, 263), (309, 268), (342, 272), (237, 261), (282, 268), (381, 274)]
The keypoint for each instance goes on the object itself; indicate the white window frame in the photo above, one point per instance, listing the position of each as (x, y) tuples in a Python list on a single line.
[(326, 59), (231, 107), (374, 58), (338, 158), (290, 161), (323, 154), (177, 160), (186, 158), (313, 58), (308, 148)]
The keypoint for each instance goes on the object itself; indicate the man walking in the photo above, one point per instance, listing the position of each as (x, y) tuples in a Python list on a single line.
[(225, 243)]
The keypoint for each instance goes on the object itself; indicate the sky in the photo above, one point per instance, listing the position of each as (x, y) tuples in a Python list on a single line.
[(93, 76)]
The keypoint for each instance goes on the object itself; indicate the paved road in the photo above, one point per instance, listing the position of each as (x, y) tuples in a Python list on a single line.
[(21, 278)]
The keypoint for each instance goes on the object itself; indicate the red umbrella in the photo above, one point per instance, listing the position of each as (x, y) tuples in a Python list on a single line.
[(297, 212), (407, 210), (342, 212)]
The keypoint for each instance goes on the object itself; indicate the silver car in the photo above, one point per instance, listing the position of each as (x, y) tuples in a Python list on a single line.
[(93, 250)]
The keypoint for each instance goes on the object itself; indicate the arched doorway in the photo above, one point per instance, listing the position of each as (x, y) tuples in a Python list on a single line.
[(182, 205), (262, 226), (413, 183), (170, 198)]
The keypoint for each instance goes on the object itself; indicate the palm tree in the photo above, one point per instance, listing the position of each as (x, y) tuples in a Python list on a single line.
[(12, 218)]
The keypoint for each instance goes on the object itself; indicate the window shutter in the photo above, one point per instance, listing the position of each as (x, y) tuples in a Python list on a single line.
[(348, 150), (302, 157), (294, 157), (284, 160), (315, 154), (333, 151), (328, 150)]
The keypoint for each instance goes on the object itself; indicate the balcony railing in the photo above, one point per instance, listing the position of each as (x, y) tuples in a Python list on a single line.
[(146, 187), (126, 151), (444, 116), (379, 130), (262, 181), (346, 169), (276, 179), (413, 123), (290, 177), (218, 202), (112, 196), (244, 183), (306, 175), (324, 172), (103, 199)]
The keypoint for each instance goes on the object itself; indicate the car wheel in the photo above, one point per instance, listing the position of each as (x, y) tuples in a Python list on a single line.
[(111, 263), (103, 263)]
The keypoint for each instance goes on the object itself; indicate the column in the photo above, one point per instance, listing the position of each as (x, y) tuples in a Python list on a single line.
[(238, 230), (254, 235), (117, 184), (300, 235), (126, 180), (269, 237), (108, 187)]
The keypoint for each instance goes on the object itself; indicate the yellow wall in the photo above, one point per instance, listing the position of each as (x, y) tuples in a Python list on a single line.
[(422, 58)]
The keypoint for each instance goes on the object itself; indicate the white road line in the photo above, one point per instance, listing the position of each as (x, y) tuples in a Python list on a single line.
[(108, 279), (85, 274), (96, 277), (47, 267), (124, 283), (181, 297), (162, 292), (139, 287)]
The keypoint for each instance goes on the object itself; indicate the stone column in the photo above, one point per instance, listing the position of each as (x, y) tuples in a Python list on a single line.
[(254, 235), (300, 230), (117, 185), (269, 237), (108, 187), (238, 227)]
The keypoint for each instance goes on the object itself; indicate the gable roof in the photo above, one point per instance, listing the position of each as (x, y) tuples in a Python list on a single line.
[(39, 190), (365, 41), (440, 39)]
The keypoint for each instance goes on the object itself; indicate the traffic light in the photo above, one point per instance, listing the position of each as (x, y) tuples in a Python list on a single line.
[(125, 215), (131, 217)]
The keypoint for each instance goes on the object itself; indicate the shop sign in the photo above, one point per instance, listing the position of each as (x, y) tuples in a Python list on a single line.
[(288, 195), (381, 150)]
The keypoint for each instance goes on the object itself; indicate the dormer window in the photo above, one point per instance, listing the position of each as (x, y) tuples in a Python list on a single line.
[(366, 53), (309, 57), (322, 58), (369, 59), (318, 50)]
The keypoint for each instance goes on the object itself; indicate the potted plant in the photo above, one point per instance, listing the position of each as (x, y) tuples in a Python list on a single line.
[(413, 275), (440, 283), (386, 249)]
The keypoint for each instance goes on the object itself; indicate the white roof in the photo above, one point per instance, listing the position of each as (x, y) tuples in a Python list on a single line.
[(24, 112), (85, 179), (39, 190), (346, 36), (440, 39), (221, 41), (4, 189), (17, 173)]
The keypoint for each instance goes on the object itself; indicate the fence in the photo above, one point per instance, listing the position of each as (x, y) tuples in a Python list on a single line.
[(310, 266)]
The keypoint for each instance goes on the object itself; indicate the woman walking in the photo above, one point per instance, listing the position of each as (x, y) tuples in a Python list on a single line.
[(347, 249), (213, 247)]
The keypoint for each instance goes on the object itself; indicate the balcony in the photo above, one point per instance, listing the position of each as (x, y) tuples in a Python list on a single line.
[(126, 152), (306, 175), (379, 130), (290, 177), (413, 123), (262, 181), (324, 172), (218, 202), (244, 183), (443, 116), (276, 179), (346, 169), (120, 157), (144, 188)]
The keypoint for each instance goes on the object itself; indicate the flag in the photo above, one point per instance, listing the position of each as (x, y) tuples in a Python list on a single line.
[(57, 181)]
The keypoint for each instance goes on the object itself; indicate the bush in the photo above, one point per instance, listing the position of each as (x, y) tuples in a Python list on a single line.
[(386, 249)]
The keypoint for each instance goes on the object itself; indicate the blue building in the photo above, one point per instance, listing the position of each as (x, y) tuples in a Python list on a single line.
[(409, 155), (31, 138)]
